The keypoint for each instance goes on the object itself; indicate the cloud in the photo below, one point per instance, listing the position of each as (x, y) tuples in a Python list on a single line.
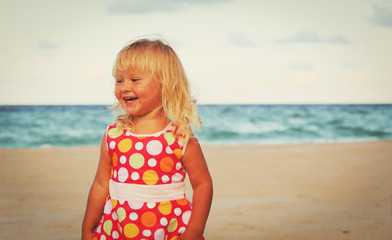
[(307, 36), (44, 45), (239, 39), (151, 6), (382, 15)]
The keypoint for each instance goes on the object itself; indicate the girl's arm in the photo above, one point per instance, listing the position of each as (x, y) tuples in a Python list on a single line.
[(98, 193), (201, 182)]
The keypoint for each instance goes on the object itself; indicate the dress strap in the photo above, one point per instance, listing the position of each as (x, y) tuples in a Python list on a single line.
[(146, 193)]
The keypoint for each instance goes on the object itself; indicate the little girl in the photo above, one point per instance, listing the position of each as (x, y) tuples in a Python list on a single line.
[(138, 190)]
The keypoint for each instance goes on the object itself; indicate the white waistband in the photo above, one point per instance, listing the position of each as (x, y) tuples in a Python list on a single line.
[(146, 193)]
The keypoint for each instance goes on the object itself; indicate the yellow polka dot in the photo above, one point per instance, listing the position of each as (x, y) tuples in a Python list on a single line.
[(121, 214), (107, 227), (178, 153), (114, 203), (172, 225), (115, 132), (166, 164), (125, 145), (149, 219), (131, 230), (174, 238), (169, 136), (114, 159), (165, 207), (150, 177), (182, 202), (136, 160)]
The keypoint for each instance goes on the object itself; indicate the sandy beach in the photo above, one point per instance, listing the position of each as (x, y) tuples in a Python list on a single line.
[(299, 191)]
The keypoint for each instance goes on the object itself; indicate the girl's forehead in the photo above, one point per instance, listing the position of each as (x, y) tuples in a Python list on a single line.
[(132, 74)]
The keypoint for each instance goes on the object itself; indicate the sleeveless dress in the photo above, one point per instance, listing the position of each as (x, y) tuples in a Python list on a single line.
[(144, 160)]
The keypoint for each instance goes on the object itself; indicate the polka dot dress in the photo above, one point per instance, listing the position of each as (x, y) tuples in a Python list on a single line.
[(149, 160)]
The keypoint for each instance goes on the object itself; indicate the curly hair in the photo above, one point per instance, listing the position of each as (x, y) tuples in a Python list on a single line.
[(159, 59)]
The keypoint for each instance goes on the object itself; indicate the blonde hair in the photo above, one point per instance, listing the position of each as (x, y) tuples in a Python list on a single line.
[(160, 61)]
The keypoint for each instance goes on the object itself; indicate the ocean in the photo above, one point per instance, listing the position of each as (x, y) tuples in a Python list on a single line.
[(66, 126)]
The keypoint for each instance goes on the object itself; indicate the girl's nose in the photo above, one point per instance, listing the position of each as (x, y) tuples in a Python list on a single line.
[(127, 86)]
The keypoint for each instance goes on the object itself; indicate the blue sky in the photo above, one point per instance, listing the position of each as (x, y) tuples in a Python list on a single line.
[(234, 51)]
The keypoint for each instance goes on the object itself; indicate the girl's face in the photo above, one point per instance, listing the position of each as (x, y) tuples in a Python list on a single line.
[(137, 94)]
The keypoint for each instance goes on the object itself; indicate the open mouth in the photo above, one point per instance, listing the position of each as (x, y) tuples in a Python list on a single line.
[(130, 99)]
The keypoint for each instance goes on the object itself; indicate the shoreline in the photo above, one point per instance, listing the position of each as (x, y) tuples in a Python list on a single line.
[(285, 191), (217, 145)]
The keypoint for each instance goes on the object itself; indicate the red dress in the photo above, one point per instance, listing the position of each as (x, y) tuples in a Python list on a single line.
[(152, 159)]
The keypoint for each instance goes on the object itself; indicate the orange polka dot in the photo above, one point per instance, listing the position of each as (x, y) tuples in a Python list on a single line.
[(114, 159), (94, 238), (131, 230), (114, 203), (178, 153), (125, 145), (150, 177), (149, 219), (166, 164), (174, 238), (165, 207), (183, 201)]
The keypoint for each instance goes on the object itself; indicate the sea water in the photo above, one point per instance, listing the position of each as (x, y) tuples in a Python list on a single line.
[(65, 126)]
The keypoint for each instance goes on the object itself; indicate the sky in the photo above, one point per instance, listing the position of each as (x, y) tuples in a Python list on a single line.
[(233, 51)]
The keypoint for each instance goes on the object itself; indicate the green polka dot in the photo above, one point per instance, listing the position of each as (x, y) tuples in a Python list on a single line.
[(172, 225), (169, 136), (114, 132), (121, 214), (107, 227), (136, 160)]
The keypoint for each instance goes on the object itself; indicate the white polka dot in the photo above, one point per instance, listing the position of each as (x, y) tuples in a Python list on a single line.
[(115, 173), (165, 178), (178, 165), (177, 177), (159, 234), (147, 233), (121, 202), (123, 159), (123, 174), (164, 221), (114, 216), (152, 162), (139, 146), (112, 144), (102, 237), (99, 228), (177, 211), (119, 227), (135, 176), (115, 235), (133, 216), (154, 147), (181, 230), (168, 150), (151, 204), (186, 216), (108, 207), (135, 205), (128, 133)]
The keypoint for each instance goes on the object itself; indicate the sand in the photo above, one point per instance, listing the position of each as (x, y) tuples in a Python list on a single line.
[(301, 191)]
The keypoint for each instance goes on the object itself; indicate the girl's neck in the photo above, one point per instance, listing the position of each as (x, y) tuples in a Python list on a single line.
[(150, 124)]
